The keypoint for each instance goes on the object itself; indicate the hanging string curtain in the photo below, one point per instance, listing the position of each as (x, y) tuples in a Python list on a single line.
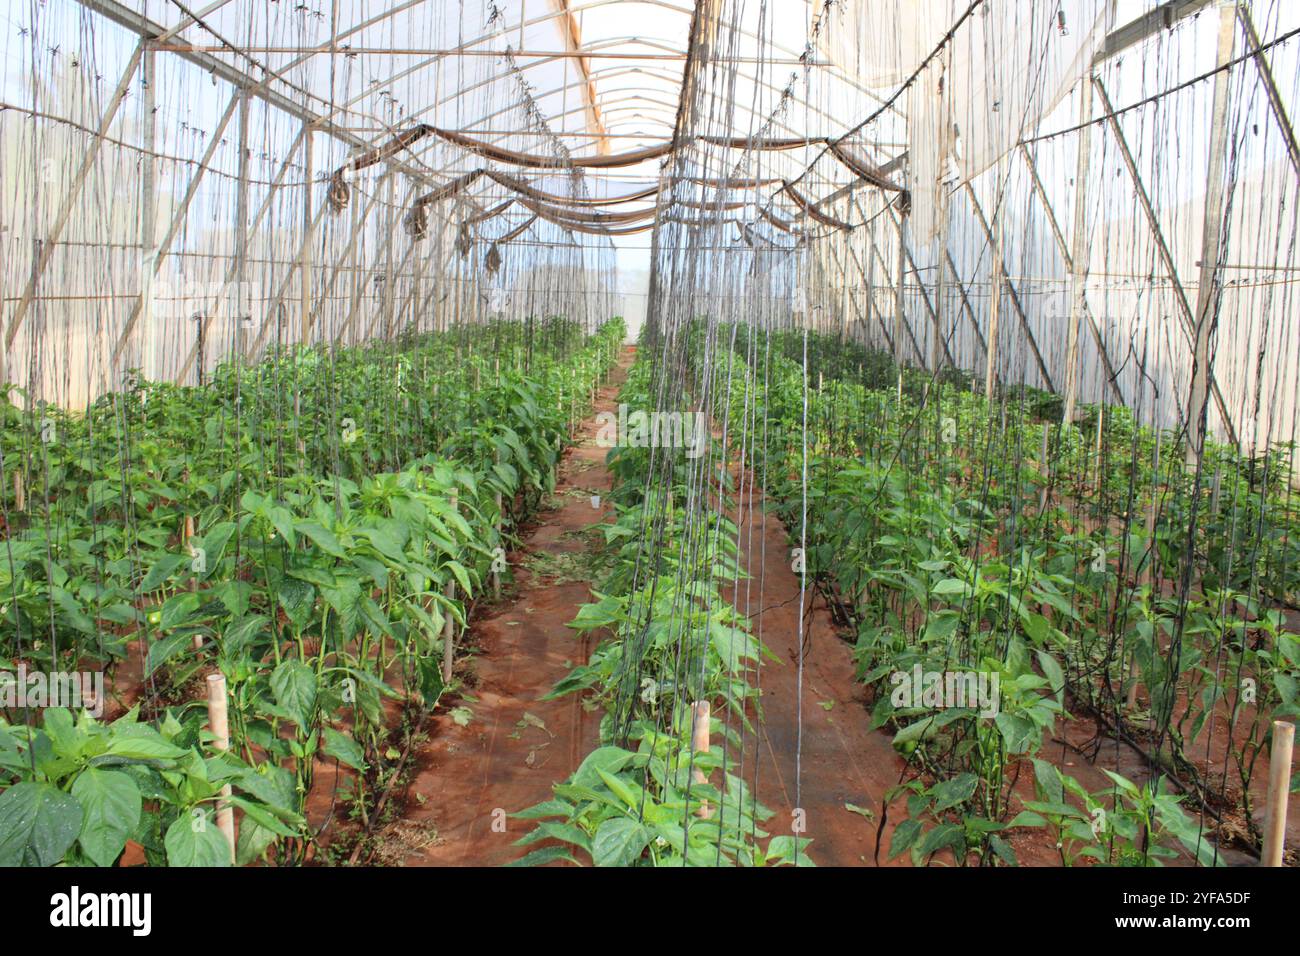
[(1007, 67)]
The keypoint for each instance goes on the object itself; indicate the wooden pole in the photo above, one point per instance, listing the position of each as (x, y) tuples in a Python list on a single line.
[(20, 494), (995, 308), (1208, 287), (1279, 781), (449, 623), (700, 713), (1079, 254), (218, 723), (305, 253), (899, 310)]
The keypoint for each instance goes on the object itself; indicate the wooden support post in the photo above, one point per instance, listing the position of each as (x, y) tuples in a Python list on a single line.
[(242, 232), (995, 308), (49, 243), (1208, 289), (938, 343), (700, 714), (218, 723), (251, 227), (308, 230), (449, 623), (1279, 782), (20, 493), (899, 276), (149, 212), (1166, 256), (215, 139), (1079, 255)]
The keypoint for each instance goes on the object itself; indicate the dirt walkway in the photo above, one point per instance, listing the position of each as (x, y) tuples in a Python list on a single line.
[(842, 761), (514, 746)]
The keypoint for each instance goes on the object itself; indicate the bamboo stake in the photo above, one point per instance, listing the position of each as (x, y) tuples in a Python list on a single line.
[(700, 712), (1279, 781), (995, 307), (20, 494), (218, 723), (449, 623)]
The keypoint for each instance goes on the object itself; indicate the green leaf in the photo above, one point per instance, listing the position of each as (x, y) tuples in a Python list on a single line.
[(111, 802), (789, 849), (322, 537), (461, 575), (1055, 676), (196, 841), (344, 749), (1020, 733), (733, 646), (252, 842), (161, 651), (294, 685), (214, 544), (619, 842), (609, 759), (38, 824), (604, 613), (1003, 850), (298, 598), (547, 854), (942, 836), (162, 569), (178, 607), (283, 521), (1027, 818), (904, 836), (951, 586), (949, 793), (147, 746), (619, 788)]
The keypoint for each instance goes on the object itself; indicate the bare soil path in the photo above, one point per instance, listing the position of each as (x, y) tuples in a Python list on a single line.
[(514, 745)]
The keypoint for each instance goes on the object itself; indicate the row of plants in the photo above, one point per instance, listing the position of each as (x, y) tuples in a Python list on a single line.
[(1242, 505), (946, 548), (671, 640), (304, 527)]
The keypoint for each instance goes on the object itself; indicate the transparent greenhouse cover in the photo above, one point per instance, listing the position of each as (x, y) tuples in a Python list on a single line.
[(604, 77)]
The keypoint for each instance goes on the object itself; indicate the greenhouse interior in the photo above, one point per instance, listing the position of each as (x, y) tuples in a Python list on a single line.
[(645, 433)]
